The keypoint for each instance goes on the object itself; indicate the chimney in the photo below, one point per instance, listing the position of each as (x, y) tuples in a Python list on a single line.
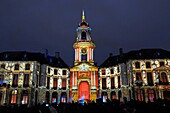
[(121, 51), (57, 54), (110, 54)]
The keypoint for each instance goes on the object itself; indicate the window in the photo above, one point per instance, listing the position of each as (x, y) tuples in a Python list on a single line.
[(104, 96), (48, 82), (16, 67), (63, 83), (38, 68), (137, 65), (27, 67), (140, 95), (14, 97), (54, 97), (149, 78), (120, 96), (49, 70), (118, 81), (118, 69), (111, 71), (47, 97), (25, 97), (163, 78), (64, 72), (162, 63), (83, 35), (113, 95), (103, 72), (148, 65), (26, 80), (37, 80), (138, 79), (84, 57), (15, 80), (103, 83), (151, 95), (1, 79), (55, 71), (3, 66), (55, 83), (112, 83)]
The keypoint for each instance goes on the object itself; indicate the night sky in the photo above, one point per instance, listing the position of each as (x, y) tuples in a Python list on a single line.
[(36, 25)]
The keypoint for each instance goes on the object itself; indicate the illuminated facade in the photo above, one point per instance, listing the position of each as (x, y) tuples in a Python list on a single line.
[(143, 75), (32, 78), (84, 74)]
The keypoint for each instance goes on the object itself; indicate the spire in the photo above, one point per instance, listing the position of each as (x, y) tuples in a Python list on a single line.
[(83, 17)]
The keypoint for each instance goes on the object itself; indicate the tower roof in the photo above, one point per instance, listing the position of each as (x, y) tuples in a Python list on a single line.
[(83, 23)]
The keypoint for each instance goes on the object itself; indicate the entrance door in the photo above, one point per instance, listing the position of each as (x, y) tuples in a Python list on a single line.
[(84, 91)]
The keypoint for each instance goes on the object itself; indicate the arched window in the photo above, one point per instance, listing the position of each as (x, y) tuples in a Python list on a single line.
[(14, 97), (151, 95), (113, 95), (104, 96), (163, 78), (63, 97), (83, 35), (120, 95), (140, 95), (54, 97), (24, 97), (47, 97)]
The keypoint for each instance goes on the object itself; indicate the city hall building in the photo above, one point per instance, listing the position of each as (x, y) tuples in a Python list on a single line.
[(28, 78)]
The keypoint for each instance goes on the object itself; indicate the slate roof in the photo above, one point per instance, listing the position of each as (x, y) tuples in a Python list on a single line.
[(31, 56), (136, 54)]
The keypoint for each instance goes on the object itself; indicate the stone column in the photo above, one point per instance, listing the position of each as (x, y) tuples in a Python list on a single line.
[(50, 96), (94, 78), (108, 93), (145, 95), (68, 98), (19, 97), (59, 97)]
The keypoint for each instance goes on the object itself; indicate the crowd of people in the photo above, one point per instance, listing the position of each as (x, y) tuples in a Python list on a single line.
[(114, 106)]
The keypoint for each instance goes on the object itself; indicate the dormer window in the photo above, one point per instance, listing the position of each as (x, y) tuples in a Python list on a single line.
[(27, 66), (83, 35), (137, 65), (162, 63), (48, 70), (55, 71), (16, 67), (64, 72), (103, 72), (148, 65), (3, 66)]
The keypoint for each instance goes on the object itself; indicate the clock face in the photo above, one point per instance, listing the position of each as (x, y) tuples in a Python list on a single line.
[(84, 67), (84, 51)]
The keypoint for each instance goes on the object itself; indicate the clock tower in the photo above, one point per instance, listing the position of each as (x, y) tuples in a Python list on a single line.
[(84, 74), (84, 46)]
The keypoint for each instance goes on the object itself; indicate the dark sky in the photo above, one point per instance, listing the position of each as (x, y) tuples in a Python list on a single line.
[(36, 25)]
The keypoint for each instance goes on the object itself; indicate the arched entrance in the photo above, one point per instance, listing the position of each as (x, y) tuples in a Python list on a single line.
[(84, 90)]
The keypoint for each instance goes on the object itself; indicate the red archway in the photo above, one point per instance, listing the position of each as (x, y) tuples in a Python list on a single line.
[(84, 91)]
